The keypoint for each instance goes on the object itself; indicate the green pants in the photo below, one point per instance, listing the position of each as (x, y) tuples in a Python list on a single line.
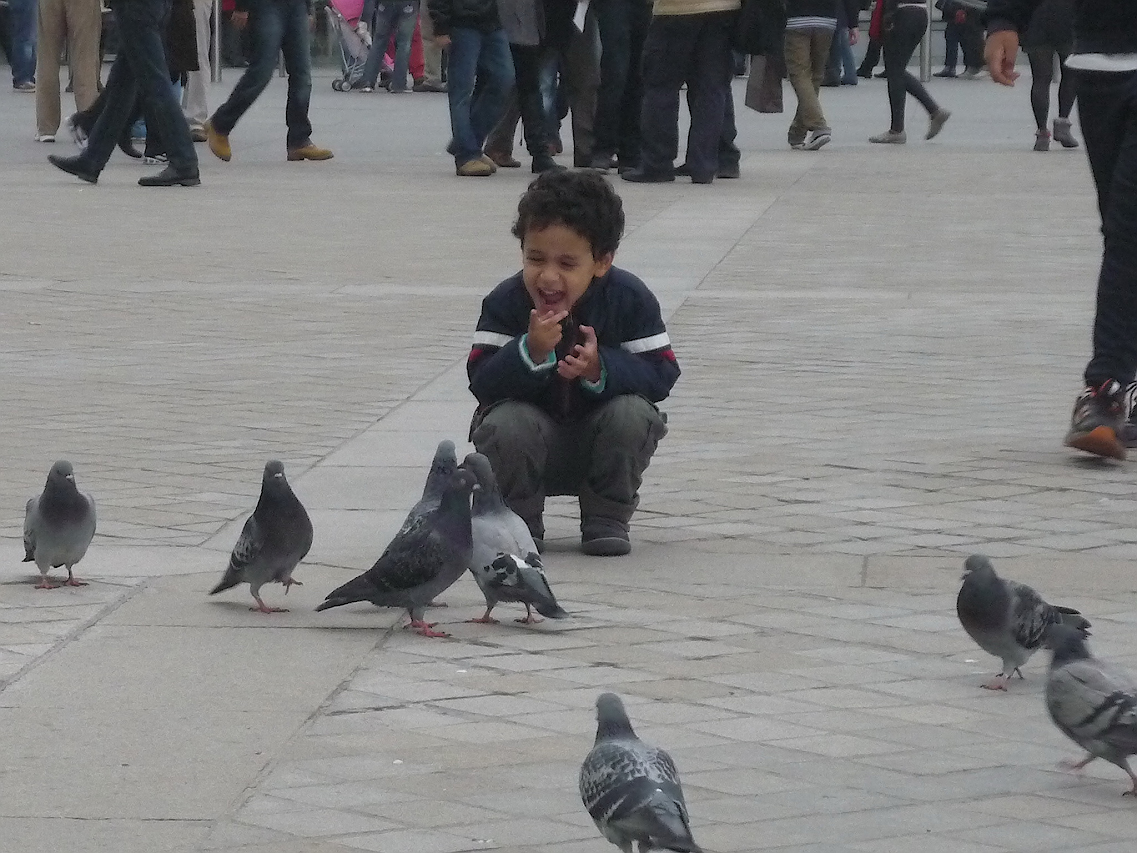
[(600, 458)]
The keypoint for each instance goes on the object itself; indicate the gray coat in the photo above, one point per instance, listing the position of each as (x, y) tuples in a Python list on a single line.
[(523, 21)]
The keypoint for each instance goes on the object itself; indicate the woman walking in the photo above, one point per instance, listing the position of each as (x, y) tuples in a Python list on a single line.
[(902, 25), (1051, 33)]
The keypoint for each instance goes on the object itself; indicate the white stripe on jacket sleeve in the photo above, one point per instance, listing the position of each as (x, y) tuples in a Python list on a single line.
[(654, 342), (493, 339)]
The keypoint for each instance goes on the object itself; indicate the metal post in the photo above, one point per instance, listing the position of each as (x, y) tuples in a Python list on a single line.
[(215, 46), (926, 49)]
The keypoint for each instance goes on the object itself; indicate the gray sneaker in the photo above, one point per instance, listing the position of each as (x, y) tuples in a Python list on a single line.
[(936, 124), (817, 139), (604, 537), (890, 137)]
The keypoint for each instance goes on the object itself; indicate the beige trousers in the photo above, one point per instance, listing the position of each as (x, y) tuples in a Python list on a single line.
[(78, 24)]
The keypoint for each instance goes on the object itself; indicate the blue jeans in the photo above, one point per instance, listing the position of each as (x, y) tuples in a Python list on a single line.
[(140, 70), (398, 16), (483, 58), (277, 25), (22, 20), (1107, 107)]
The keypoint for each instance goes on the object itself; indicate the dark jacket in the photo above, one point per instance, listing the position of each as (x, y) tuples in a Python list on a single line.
[(481, 15), (1100, 26), (761, 27), (630, 333), (822, 9), (181, 39)]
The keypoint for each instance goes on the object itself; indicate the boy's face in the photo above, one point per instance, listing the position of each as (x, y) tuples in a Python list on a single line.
[(557, 267)]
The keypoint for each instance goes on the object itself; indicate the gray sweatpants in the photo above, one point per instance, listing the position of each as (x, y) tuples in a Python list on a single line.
[(600, 458)]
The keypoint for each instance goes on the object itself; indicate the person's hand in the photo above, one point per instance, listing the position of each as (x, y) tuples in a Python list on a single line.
[(442, 41), (544, 334), (1002, 48), (240, 19), (854, 35), (584, 360)]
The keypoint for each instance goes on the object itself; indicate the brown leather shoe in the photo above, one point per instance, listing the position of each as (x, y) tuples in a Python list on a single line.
[(218, 142), (503, 159), (308, 151)]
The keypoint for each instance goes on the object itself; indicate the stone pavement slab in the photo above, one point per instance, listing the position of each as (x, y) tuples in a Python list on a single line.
[(880, 347)]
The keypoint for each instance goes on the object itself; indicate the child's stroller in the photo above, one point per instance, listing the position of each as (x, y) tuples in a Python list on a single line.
[(343, 19)]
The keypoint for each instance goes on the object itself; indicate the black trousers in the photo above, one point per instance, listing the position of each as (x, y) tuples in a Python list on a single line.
[(691, 49), (623, 26), (903, 30), (1107, 106)]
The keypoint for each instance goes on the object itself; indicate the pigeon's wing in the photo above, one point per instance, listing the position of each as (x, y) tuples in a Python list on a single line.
[(535, 589), (492, 538), (250, 545), (30, 530), (518, 530), (411, 560), (1031, 616), (1093, 701)]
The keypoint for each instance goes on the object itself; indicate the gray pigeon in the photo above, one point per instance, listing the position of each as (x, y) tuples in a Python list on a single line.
[(59, 525), (444, 464), (632, 789), (1092, 702), (1007, 619), (420, 562), (274, 540), (504, 560)]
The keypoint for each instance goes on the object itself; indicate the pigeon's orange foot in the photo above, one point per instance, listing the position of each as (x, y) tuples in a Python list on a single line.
[(1074, 765), (999, 682), (426, 628), (264, 608), (529, 619), (289, 583), (74, 582), (46, 584), (484, 620)]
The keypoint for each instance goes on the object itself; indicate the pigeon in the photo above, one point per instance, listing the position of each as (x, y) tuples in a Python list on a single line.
[(420, 562), (1092, 702), (445, 463), (275, 539), (58, 526), (1007, 619), (631, 789), (505, 562)]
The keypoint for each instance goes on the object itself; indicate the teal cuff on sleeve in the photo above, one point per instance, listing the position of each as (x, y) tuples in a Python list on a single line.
[(549, 362), (596, 387)]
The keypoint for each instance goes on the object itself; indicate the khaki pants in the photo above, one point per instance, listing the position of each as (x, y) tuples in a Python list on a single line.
[(807, 53), (194, 103), (79, 23), (431, 53)]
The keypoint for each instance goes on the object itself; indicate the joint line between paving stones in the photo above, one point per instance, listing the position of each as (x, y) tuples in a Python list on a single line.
[(73, 634)]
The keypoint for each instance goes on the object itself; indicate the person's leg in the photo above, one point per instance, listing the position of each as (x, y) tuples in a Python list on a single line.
[(195, 104), (404, 27), (266, 21), (520, 440), (798, 69), (121, 93), (847, 66), (1067, 87), (431, 54), (465, 45), (495, 69), (708, 86), (628, 152), (416, 63), (1041, 76), (50, 32), (971, 40), (666, 59), (297, 47), (951, 45), (527, 66), (729, 155), (141, 23), (382, 23), (84, 25), (820, 42), (872, 58), (22, 55), (613, 21), (582, 74), (616, 444), (1107, 107), (499, 142)]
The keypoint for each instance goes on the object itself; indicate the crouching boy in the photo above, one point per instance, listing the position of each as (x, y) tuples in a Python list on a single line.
[(570, 355)]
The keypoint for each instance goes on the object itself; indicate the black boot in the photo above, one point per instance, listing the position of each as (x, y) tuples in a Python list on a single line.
[(171, 177)]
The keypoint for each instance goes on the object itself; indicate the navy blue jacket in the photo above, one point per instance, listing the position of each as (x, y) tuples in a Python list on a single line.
[(630, 334), (1100, 26)]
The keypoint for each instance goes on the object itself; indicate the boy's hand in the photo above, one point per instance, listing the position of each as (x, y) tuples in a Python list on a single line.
[(544, 334), (584, 360)]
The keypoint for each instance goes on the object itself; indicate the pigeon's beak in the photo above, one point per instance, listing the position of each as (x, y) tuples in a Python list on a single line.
[(278, 476), (71, 477)]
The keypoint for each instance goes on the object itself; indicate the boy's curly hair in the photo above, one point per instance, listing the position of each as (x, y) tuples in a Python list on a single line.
[(580, 200)]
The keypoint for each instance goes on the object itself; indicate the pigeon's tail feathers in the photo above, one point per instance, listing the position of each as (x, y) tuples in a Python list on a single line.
[(1070, 616), (541, 593), (230, 579), (29, 555), (667, 825), (356, 589), (553, 612)]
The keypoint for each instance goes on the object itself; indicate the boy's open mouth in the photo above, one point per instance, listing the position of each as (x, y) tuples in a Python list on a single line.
[(552, 300)]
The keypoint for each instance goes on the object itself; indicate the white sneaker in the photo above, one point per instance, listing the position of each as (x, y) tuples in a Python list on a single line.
[(45, 137)]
